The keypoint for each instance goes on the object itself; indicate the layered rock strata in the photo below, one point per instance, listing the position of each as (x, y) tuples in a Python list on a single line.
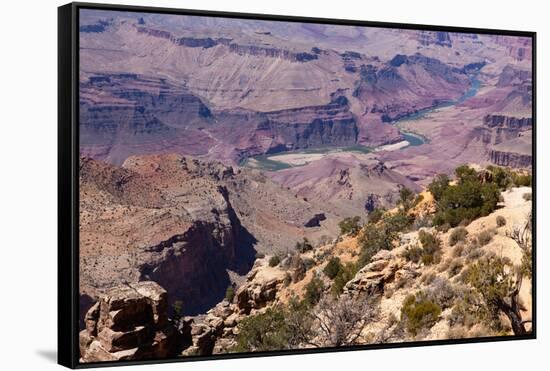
[(130, 323)]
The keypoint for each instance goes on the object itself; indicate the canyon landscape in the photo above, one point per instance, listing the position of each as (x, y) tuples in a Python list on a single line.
[(253, 186)]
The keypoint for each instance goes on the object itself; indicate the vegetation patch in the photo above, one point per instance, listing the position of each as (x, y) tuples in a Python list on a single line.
[(230, 294), (431, 247), (419, 313), (483, 238), (350, 226), (470, 198), (458, 235), (501, 221), (382, 235), (314, 291), (333, 267)]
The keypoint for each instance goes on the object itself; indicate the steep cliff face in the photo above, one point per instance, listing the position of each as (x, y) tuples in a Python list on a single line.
[(126, 114), (500, 128), (233, 47), (182, 223), (519, 48), (132, 230), (511, 159), (330, 124), (508, 140)]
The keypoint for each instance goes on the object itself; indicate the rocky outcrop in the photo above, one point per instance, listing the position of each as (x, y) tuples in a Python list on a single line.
[(439, 38), (186, 247), (260, 289), (511, 159), (508, 122), (241, 49), (509, 140), (497, 129), (125, 114), (370, 279), (327, 125), (272, 52), (351, 60), (214, 333), (513, 76), (130, 323), (182, 223)]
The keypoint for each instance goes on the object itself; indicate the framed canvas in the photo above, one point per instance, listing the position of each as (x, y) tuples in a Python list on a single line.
[(237, 185)]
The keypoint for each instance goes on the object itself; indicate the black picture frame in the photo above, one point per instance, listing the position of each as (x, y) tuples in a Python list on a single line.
[(68, 175)]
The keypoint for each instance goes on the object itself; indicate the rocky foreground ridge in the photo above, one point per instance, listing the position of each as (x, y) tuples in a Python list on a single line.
[(424, 288)]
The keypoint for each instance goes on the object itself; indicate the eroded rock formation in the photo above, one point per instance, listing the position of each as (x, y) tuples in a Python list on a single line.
[(182, 223), (130, 323)]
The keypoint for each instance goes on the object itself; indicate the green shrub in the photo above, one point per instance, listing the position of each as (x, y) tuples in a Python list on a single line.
[(419, 313), (374, 239), (230, 294), (474, 253), (501, 177), (522, 180), (406, 198), (279, 327), (397, 222), (304, 246), (263, 332), (441, 292), (467, 200), (485, 237), (376, 215), (431, 247), (494, 280), (177, 308), (382, 236), (274, 261), (501, 221), (458, 235), (465, 174), (333, 267), (350, 226), (438, 186), (429, 253), (314, 291), (344, 275)]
